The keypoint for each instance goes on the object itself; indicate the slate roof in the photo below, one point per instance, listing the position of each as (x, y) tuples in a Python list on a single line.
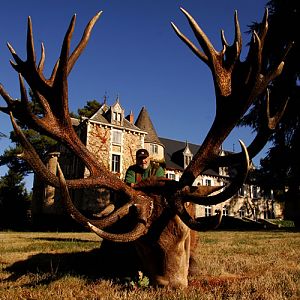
[(100, 116), (174, 155)]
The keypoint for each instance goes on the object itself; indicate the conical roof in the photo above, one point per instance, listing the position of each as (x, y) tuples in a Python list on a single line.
[(144, 122)]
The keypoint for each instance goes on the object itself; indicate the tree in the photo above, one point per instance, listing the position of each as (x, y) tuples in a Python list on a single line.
[(10, 156), (88, 110), (14, 202), (42, 144), (280, 170)]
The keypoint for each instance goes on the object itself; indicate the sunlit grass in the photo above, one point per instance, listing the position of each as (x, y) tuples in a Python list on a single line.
[(232, 265)]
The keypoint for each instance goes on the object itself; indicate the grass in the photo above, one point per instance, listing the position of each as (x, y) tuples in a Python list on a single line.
[(232, 265)]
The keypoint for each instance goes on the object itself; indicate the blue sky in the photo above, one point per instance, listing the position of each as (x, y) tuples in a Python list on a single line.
[(134, 53)]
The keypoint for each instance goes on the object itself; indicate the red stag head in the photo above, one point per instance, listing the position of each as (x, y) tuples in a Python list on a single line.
[(162, 210)]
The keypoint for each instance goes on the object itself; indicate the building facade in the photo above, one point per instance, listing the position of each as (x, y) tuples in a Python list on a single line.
[(114, 138)]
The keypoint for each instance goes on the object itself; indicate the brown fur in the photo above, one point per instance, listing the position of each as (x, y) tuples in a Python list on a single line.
[(165, 254)]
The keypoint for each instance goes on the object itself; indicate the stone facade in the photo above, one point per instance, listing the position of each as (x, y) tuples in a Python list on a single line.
[(114, 139)]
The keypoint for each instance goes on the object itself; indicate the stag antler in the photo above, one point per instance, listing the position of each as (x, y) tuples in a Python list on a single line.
[(52, 95), (237, 84)]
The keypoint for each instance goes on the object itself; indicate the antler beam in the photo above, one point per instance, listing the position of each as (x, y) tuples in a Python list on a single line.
[(237, 84)]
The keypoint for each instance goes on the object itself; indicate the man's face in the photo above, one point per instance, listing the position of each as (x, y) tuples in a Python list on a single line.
[(143, 162)]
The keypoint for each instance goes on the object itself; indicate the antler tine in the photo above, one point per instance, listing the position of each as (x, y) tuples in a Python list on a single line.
[(232, 53), (54, 71), (267, 127), (30, 43), (7, 98), (203, 40), (238, 35), (186, 196), (236, 47), (196, 51), (83, 42), (29, 154), (242, 171), (42, 60), (15, 56), (21, 108), (223, 39), (60, 84), (24, 98), (78, 50), (131, 236), (264, 26), (28, 68), (144, 212)]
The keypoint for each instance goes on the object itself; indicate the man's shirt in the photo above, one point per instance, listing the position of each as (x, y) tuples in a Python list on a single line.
[(136, 174)]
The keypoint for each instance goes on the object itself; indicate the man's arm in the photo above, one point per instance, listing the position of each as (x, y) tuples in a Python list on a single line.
[(130, 177)]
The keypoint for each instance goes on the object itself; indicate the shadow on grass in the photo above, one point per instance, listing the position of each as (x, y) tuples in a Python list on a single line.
[(93, 265), (75, 240)]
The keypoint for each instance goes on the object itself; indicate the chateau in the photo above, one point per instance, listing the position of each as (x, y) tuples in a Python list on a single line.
[(114, 138)]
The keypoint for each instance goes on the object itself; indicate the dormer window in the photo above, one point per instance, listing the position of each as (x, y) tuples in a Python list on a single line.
[(117, 117), (117, 113)]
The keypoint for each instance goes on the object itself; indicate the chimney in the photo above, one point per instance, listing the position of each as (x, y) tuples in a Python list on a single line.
[(130, 117)]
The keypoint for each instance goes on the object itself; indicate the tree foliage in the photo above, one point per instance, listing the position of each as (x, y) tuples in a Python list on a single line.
[(14, 202), (41, 143), (88, 110), (280, 169)]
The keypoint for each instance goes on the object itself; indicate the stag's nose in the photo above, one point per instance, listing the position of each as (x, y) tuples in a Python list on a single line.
[(161, 281)]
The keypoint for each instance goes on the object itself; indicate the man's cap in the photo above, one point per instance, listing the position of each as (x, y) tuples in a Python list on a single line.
[(142, 153)]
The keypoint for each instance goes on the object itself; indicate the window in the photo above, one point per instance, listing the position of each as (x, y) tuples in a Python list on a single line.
[(242, 212), (171, 176), (225, 211), (208, 182), (242, 191), (255, 191), (154, 149), (115, 163), (207, 211), (116, 136), (117, 116)]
